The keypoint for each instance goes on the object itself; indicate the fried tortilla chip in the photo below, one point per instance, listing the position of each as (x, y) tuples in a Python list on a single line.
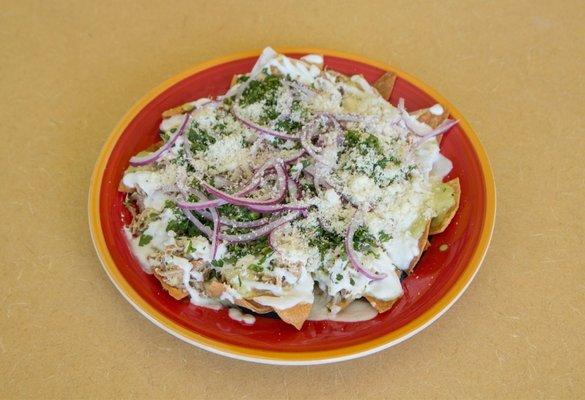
[(235, 79), (431, 119), (422, 246), (442, 221), (214, 289), (383, 305), (123, 188), (182, 109), (385, 84), (253, 306), (175, 292), (296, 316)]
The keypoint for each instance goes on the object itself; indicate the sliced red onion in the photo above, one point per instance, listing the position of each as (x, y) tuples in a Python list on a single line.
[(233, 223), (351, 254), (242, 201), (198, 224), (253, 184), (215, 235), (408, 120), (260, 232), (308, 146), (200, 205), (302, 88), (263, 129), (310, 171), (294, 158), (444, 127), (246, 237), (152, 157), (278, 207)]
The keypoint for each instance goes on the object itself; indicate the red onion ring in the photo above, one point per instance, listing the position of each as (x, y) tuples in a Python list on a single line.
[(308, 146), (234, 223), (295, 157), (216, 224), (278, 207), (263, 129), (444, 127), (150, 158), (253, 184), (242, 201), (406, 118), (205, 229), (246, 237), (351, 254), (263, 231)]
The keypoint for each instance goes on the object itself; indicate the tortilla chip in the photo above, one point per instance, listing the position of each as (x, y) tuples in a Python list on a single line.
[(253, 306), (385, 84), (422, 246), (176, 293), (431, 119), (296, 316), (185, 108), (235, 79), (441, 222), (123, 188), (383, 305), (214, 289)]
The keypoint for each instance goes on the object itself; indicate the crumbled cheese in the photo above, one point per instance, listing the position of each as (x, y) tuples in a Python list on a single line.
[(363, 189), (227, 154)]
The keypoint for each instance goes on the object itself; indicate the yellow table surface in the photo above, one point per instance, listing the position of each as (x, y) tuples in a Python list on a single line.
[(70, 70)]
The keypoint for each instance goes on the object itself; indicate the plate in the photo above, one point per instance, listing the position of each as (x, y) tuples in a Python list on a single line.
[(439, 280)]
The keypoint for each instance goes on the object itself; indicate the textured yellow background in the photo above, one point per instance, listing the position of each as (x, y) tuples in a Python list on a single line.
[(70, 70)]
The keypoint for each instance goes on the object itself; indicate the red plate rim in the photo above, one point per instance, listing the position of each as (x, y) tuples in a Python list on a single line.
[(282, 357)]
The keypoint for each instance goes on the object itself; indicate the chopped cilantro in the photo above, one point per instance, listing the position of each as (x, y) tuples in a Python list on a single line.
[(364, 241), (259, 90), (169, 204), (258, 247), (242, 78), (324, 241), (352, 138), (288, 126), (255, 267), (189, 248), (383, 236), (338, 277), (220, 127), (217, 263), (238, 213), (199, 139), (144, 240), (182, 226), (351, 281)]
